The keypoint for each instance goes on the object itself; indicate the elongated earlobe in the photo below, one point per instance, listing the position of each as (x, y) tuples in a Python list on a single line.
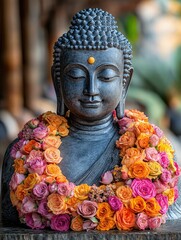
[(120, 109), (61, 109)]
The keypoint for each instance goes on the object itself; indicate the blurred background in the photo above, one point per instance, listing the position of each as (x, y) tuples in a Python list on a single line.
[(29, 28)]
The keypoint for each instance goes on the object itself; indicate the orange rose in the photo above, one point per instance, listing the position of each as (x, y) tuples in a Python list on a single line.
[(53, 119), (72, 204), (53, 170), (136, 115), (124, 193), (143, 140), (137, 204), (81, 192), (21, 192), (56, 203), (61, 179), (170, 193), (106, 224), (132, 155), (139, 170), (104, 210), (143, 127), (30, 146), (31, 180), (52, 155), (126, 140), (52, 130), (125, 219), (13, 198), (63, 130), (152, 207), (51, 141), (19, 166), (77, 224)]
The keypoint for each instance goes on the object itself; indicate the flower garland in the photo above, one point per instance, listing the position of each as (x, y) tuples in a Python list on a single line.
[(134, 195)]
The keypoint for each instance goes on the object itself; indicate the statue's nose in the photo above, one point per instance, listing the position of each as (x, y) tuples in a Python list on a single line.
[(91, 87)]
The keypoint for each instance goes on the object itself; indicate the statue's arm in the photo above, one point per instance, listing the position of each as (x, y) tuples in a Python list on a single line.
[(9, 213)]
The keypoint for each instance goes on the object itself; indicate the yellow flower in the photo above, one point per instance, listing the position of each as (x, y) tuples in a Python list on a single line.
[(31, 181), (155, 169), (81, 192), (170, 193)]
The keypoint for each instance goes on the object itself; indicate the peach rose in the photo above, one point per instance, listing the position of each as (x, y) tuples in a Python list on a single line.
[(125, 219), (21, 192), (51, 141), (53, 119), (81, 192), (127, 140), (106, 224), (63, 130), (52, 155), (124, 193), (77, 224), (52, 130), (143, 140), (19, 166), (132, 155), (104, 210), (155, 169), (170, 193), (152, 207), (13, 198), (31, 180), (139, 169), (72, 204), (53, 170), (61, 179), (137, 204), (56, 203), (136, 115)]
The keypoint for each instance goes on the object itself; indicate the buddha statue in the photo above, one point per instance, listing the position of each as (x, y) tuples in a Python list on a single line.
[(91, 73)]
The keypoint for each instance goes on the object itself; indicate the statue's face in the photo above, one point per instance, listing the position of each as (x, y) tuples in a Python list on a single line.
[(92, 91)]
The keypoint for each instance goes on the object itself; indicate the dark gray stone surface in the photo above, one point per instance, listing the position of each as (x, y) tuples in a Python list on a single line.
[(170, 231)]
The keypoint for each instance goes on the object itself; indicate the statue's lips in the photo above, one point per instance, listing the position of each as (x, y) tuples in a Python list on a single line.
[(90, 104)]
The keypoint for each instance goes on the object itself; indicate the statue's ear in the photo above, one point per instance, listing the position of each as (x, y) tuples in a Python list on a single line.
[(121, 105), (58, 91)]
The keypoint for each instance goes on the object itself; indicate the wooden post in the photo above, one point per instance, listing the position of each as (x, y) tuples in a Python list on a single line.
[(12, 57)]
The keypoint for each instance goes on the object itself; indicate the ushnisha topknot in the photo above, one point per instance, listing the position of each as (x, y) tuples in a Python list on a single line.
[(93, 29)]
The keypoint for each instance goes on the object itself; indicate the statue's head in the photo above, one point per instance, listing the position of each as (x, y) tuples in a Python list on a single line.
[(92, 66)]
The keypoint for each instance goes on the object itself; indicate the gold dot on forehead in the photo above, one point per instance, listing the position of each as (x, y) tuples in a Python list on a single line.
[(91, 60)]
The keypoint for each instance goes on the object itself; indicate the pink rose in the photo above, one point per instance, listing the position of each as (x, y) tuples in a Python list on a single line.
[(28, 205), (33, 123), (87, 209), (124, 123), (107, 177), (35, 221), (142, 221), (158, 131), (160, 187), (60, 222), (174, 181), (44, 210), (152, 154), (143, 188), (115, 203), (154, 140), (165, 176), (53, 187), (15, 151), (163, 202), (177, 172), (34, 155), (37, 166), (164, 218), (16, 179), (164, 161), (65, 189), (40, 190), (155, 222), (40, 132), (176, 193), (89, 225)]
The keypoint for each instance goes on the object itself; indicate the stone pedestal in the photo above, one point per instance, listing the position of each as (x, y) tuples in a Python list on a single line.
[(170, 231)]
